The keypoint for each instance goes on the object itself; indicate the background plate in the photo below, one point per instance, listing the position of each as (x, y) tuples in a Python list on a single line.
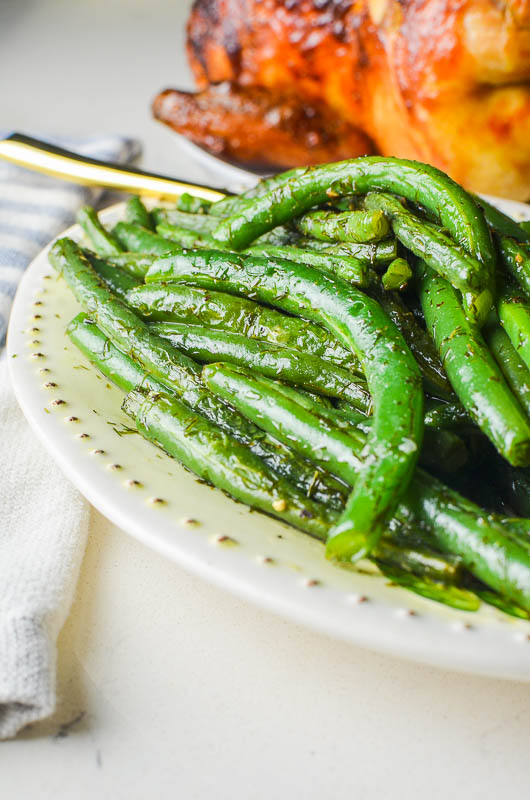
[(77, 415)]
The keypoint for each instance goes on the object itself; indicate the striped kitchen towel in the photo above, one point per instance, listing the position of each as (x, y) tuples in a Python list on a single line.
[(35, 208), (43, 518)]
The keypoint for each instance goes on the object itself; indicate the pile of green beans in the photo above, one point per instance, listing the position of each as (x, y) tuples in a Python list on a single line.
[(307, 345)]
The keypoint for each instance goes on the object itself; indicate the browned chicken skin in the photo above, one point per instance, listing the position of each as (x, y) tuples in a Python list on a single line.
[(305, 81)]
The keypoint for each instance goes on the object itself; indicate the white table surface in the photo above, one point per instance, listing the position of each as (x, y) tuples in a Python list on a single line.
[(169, 687)]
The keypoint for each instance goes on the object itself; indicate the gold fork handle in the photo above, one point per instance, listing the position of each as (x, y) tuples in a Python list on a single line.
[(52, 160)]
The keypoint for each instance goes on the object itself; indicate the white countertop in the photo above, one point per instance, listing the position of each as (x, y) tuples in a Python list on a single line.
[(169, 687)]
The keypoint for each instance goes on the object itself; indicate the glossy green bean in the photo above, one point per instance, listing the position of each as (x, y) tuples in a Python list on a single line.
[(135, 239), (353, 270), (201, 223), (418, 560), (500, 222), (397, 275), (501, 603), (232, 204), (185, 237), (118, 280), (136, 264), (512, 365), (193, 205), (348, 226), (446, 416), (215, 457), (439, 591), (514, 315), (104, 243), (516, 260), (373, 254), (438, 415), (473, 372), (137, 214)]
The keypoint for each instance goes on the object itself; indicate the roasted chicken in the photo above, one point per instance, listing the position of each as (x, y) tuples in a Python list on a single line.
[(289, 82)]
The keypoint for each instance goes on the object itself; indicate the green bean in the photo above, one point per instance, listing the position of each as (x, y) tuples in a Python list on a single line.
[(514, 314), (440, 253), (125, 373), (117, 279), (216, 457), (208, 345), (512, 365), (102, 241), (135, 239), (137, 214), (473, 373), (441, 592), (418, 560), (500, 222), (136, 264), (397, 275), (350, 269), (349, 226), (280, 236), (421, 345), (323, 402), (180, 303), (504, 605), (230, 205), (313, 403), (517, 262), (446, 416), (185, 237), (456, 524), (128, 375), (201, 223), (193, 205), (374, 253), (359, 323), (449, 204)]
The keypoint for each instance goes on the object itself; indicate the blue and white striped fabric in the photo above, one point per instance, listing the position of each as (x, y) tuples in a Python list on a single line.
[(44, 520), (34, 208)]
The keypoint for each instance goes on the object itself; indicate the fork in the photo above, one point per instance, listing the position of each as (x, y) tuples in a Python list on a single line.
[(40, 156)]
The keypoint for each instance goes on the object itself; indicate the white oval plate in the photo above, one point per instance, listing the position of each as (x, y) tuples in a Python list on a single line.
[(76, 413)]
